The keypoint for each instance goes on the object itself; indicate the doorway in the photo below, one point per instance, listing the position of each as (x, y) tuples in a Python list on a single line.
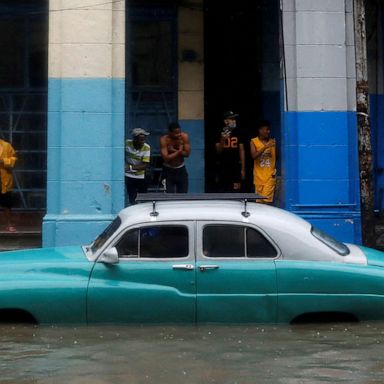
[(23, 113), (241, 42)]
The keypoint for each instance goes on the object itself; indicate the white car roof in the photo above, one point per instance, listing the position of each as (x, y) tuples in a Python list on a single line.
[(211, 210), (289, 232)]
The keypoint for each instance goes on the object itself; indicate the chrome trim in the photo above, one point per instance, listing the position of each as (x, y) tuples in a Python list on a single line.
[(183, 267), (207, 267)]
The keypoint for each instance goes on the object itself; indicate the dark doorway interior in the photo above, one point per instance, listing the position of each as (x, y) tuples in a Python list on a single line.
[(236, 42), (23, 114), (23, 96)]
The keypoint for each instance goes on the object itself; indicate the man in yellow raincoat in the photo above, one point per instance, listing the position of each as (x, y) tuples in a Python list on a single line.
[(7, 162), (263, 152)]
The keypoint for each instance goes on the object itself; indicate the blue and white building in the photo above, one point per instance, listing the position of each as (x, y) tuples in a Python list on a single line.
[(115, 65)]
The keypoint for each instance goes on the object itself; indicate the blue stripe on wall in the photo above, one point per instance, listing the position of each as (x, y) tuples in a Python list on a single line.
[(85, 157), (195, 163), (320, 170)]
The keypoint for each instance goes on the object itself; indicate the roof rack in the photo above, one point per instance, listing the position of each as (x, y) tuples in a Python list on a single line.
[(155, 197), (146, 197)]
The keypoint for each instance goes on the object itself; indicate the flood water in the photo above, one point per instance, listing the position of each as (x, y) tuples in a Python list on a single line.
[(326, 353)]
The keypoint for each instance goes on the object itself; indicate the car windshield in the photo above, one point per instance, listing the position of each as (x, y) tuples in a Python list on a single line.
[(331, 242), (106, 234)]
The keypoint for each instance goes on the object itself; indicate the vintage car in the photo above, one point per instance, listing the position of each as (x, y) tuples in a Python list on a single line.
[(188, 259)]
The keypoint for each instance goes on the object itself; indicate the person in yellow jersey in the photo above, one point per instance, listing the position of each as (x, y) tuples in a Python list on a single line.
[(263, 152), (7, 162)]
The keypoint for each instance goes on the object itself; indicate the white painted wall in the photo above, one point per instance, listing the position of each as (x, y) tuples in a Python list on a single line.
[(191, 74), (320, 61), (86, 39)]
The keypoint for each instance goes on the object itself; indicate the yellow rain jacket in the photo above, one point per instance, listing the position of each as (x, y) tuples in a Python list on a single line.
[(8, 155)]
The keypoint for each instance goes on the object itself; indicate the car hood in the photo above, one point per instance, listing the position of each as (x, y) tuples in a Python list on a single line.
[(374, 257), (66, 257)]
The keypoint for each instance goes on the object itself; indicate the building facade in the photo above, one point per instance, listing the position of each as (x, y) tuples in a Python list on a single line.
[(116, 65)]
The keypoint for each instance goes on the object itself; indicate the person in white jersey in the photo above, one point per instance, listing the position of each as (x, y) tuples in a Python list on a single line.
[(137, 158)]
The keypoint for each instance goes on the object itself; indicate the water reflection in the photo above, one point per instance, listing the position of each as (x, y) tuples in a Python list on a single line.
[(188, 354)]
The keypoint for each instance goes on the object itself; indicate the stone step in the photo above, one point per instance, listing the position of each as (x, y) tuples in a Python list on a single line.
[(22, 239)]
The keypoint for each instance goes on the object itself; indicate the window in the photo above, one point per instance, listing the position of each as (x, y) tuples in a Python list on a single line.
[(128, 245), (223, 241), (226, 241), (158, 242), (329, 241), (107, 233)]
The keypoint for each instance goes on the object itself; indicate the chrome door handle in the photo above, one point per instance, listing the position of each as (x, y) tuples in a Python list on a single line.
[(184, 267), (207, 267)]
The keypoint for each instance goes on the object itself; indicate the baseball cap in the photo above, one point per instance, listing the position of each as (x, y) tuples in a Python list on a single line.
[(139, 131), (230, 115)]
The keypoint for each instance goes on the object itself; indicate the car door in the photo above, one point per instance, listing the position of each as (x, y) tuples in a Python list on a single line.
[(154, 280), (316, 289), (235, 273)]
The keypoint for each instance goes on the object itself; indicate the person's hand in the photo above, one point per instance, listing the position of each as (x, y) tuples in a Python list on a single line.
[(225, 133), (243, 174), (236, 186), (271, 143)]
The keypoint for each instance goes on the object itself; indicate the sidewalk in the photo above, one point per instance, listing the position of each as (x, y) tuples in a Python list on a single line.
[(28, 235)]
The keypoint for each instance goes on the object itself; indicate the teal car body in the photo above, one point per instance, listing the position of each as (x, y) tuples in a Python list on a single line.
[(200, 262)]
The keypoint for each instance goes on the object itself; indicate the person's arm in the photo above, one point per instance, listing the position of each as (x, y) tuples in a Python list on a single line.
[(165, 153), (9, 160), (138, 167), (221, 143), (145, 161), (257, 153), (242, 160), (186, 147)]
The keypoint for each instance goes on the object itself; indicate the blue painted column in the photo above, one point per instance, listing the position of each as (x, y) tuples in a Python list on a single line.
[(319, 133), (85, 120)]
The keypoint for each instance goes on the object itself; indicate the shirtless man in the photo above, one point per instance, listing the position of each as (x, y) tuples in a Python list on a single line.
[(174, 147)]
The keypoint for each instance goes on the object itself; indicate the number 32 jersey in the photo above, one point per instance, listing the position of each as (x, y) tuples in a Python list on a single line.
[(229, 159), (264, 167)]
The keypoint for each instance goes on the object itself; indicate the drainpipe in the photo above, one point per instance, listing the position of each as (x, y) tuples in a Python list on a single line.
[(364, 127)]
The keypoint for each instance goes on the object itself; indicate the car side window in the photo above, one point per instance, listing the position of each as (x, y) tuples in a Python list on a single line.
[(258, 245), (128, 245), (159, 242), (223, 241), (164, 242), (233, 241)]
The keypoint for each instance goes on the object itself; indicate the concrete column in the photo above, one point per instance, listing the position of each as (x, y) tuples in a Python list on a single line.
[(191, 87), (85, 119), (319, 124)]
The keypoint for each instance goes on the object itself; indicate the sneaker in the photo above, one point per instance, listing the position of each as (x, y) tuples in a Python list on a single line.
[(10, 228)]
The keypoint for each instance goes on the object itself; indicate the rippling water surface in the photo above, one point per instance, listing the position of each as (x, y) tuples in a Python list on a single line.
[(339, 353)]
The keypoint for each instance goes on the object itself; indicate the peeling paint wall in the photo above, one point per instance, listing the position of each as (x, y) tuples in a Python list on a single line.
[(320, 162), (85, 119)]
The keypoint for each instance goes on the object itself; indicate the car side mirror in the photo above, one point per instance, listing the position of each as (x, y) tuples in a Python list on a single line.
[(110, 256)]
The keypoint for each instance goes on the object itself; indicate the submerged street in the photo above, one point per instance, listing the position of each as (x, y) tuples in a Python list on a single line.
[(312, 353)]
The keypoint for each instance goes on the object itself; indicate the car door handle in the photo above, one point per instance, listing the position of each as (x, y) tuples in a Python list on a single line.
[(184, 267), (207, 267)]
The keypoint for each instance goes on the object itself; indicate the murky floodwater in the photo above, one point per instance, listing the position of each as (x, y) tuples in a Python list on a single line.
[(341, 353)]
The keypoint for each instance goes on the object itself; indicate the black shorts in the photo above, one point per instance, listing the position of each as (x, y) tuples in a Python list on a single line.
[(6, 200)]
